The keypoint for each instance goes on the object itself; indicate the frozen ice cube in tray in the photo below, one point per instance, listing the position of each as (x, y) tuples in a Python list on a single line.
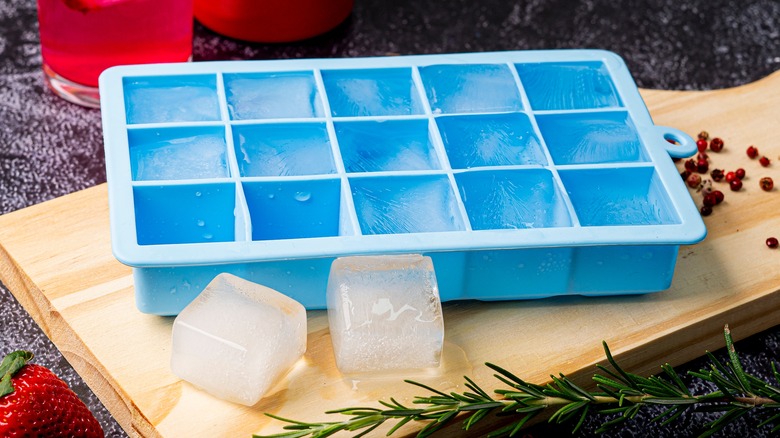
[(515, 172), (470, 88), (272, 95)]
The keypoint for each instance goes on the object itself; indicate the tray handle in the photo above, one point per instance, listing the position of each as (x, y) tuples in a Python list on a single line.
[(677, 143)]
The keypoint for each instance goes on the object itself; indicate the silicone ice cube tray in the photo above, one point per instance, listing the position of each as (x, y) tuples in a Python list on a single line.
[(523, 174)]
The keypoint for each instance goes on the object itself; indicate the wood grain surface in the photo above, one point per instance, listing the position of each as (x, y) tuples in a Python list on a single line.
[(56, 259)]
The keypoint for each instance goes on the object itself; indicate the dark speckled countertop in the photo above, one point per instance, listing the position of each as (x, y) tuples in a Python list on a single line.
[(49, 148)]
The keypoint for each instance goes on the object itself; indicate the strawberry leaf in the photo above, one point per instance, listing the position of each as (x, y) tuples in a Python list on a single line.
[(9, 366)]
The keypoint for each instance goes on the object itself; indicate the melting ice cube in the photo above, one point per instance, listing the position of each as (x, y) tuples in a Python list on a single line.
[(237, 339), (384, 313)]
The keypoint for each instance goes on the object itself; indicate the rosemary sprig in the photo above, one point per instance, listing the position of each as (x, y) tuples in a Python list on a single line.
[(620, 396)]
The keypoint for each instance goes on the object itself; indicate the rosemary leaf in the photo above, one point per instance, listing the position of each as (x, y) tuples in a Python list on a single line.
[(619, 393), (736, 364), (676, 379), (670, 401), (668, 413), (480, 414), (367, 431), (771, 419), (581, 420), (399, 425)]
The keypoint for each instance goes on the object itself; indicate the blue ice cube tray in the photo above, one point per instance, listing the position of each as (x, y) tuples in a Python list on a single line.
[(522, 174)]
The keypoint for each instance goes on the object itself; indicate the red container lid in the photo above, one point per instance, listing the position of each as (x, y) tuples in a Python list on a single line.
[(272, 20)]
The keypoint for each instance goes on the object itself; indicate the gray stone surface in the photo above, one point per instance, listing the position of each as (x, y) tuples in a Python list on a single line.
[(49, 148)]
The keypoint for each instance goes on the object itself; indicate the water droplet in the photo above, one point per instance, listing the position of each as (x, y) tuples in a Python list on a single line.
[(302, 196), (201, 223), (197, 194), (270, 196), (173, 290), (208, 236)]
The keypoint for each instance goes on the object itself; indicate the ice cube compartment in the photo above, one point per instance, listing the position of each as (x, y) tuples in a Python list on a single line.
[(521, 174)]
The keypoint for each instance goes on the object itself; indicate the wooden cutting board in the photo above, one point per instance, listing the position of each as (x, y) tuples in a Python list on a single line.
[(56, 259)]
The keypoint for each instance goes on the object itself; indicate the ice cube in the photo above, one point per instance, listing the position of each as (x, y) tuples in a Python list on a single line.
[(371, 92), (273, 95), (581, 138), (187, 103), (490, 140), (395, 205), (386, 145), (568, 85), (197, 156), (237, 339), (284, 149), (384, 313), (470, 88), (526, 198)]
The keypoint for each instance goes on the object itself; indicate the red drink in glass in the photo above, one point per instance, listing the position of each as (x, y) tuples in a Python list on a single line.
[(81, 38)]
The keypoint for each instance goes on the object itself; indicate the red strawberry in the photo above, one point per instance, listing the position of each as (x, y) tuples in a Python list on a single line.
[(35, 402)]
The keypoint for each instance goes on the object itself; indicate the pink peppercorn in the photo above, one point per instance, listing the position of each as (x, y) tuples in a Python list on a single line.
[(716, 144), (694, 180)]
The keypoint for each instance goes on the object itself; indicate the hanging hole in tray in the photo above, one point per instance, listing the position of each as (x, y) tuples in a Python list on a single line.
[(677, 143), (512, 199), (283, 149), (390, 145), (672, 139), (187, 213), (470, 88), (413, 204), (294, 209), (490, 140), (372, 92)]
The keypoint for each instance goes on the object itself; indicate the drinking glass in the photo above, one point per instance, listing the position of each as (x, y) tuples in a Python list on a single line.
[(81, 38)]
